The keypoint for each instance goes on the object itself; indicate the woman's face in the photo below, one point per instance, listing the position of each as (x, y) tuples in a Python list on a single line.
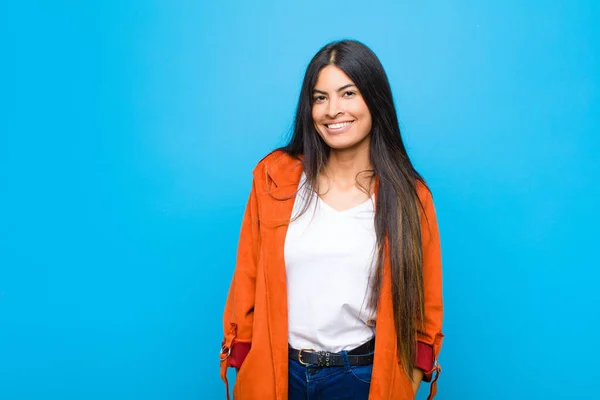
[(339, 111)]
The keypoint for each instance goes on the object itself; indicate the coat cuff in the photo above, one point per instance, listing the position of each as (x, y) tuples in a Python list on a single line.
[(239, 351), (425, 360)]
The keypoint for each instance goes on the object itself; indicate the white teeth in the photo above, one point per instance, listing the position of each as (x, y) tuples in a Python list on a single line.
[(338, 126)]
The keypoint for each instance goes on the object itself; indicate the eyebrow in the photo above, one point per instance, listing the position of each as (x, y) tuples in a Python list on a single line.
[(339, 90)]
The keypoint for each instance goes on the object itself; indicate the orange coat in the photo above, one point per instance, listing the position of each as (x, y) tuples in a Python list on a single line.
[(256, 317)]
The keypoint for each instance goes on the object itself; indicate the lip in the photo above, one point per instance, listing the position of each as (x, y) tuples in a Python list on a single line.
[(337, 131)]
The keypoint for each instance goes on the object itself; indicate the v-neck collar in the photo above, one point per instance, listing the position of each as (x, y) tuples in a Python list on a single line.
[(315, 197), (347, 211)]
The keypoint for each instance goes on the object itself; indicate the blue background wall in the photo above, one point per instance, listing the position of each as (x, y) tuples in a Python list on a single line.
[(128, 131)]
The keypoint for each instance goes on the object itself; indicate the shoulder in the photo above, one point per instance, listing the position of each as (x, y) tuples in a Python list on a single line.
[(426, 206), (276, 164), (270, 160), (424, 193)]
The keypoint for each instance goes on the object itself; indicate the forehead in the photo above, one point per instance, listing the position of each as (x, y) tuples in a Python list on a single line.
[(331, 77)]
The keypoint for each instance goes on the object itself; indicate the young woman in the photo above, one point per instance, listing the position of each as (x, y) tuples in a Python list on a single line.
[(337, 288)]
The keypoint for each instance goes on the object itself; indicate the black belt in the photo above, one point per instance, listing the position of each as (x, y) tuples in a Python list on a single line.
[(358, 356)]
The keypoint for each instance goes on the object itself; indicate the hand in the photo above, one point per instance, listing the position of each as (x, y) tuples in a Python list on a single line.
[(417, 377)]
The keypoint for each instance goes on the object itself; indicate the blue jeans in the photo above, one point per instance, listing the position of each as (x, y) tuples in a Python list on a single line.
[(329, 383)]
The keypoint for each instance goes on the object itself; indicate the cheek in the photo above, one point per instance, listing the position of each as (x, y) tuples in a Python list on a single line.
[(315, 113), (364, 115), (368, 120), (360, 110)]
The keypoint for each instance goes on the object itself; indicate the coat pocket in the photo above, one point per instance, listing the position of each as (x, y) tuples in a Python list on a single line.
[(243, 378), (239, 352)]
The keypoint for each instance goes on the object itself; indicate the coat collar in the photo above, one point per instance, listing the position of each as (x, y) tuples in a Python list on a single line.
[(284, 169)]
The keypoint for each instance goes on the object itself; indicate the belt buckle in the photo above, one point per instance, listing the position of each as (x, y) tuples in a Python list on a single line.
[(300, 356)]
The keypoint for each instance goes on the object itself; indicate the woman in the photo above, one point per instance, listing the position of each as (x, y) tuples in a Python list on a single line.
[(337, 288)]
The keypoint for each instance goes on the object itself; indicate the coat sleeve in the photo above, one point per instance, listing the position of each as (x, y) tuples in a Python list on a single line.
[(238, 317), (429, 338)]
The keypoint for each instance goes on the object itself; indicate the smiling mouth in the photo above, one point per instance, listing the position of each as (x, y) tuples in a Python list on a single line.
[(339, 125)]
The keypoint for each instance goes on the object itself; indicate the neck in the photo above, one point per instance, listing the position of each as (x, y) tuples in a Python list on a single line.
[(344, 165)]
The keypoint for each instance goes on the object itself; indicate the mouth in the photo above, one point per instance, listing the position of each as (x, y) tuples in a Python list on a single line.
[(339, 125)]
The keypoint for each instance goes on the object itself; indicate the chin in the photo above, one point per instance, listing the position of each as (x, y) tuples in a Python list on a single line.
[(343, 143)]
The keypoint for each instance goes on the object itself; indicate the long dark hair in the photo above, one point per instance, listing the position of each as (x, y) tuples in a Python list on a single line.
[(397, 220)]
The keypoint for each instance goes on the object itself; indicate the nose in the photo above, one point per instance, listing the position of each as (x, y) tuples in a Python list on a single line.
[(334, 108)]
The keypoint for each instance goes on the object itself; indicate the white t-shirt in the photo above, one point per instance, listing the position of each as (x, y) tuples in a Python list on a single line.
[(329, 257)]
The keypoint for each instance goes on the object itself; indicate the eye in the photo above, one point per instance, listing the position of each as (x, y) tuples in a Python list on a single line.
[(349, 93), (319, 99)]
